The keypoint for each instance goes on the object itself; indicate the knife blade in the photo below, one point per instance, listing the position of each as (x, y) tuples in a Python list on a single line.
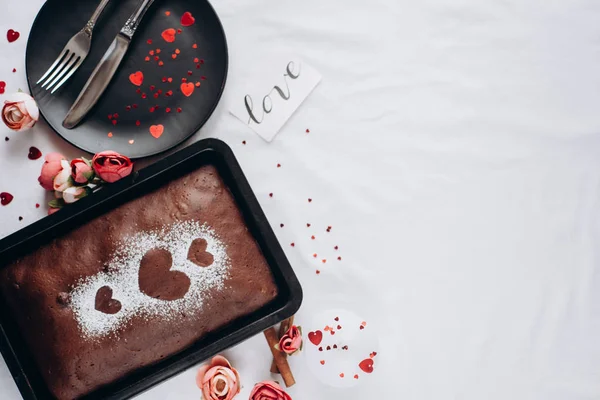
[(106, 69)]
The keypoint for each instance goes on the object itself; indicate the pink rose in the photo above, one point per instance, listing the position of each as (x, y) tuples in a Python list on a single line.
[(52, 210), (291, 341), (268, 390), (20, 111), (218, 380), (81, 170), (111, 166), (50, 169), (63, 180)]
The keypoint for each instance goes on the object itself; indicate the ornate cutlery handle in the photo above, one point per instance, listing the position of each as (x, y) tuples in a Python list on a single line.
[(133, 21), (89, 27)]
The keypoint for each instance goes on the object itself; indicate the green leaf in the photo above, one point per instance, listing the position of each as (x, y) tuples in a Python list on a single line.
[(89, 175), (20, 90), (57, 203)]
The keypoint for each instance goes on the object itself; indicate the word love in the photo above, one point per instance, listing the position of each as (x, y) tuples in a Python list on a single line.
[(267, 102), (270, 98)]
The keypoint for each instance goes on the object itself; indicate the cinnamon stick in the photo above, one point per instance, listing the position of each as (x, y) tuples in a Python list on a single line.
[(283, 328), (280, 360)]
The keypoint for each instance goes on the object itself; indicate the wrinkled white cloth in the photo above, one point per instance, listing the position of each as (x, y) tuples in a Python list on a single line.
[(453, 148)]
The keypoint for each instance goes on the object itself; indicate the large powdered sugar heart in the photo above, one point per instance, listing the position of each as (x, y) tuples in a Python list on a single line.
[(156, 278)]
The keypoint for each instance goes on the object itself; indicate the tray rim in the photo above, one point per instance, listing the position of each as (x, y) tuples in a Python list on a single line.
[(42, 230)]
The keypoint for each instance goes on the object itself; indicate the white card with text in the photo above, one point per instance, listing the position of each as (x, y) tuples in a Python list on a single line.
[(269, 100)]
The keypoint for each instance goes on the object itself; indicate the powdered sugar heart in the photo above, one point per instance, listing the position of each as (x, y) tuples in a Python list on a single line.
[(12, 35)]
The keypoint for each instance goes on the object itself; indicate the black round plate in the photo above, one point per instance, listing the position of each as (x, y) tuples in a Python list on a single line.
[(201, 59)]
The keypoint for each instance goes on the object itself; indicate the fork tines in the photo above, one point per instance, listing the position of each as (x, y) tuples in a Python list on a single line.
[(63, 67)]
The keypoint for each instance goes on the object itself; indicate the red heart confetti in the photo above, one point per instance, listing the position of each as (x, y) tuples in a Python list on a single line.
[(157, 130), (339, 258), (149, 41), (366, 365), (342, 375), (136, 78), (195, 46), (12, 35), (2, 87), (356, 376), (137, 123), (34, 153), (168, 35), (187, 19), (167, 13), (322, 362), (5, 198), (307, 131), (179, 31), (373, 354), (187, 88), (315, 337), (337, 319)]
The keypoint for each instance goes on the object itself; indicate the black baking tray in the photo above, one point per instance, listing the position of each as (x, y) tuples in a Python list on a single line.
[(209, 151)]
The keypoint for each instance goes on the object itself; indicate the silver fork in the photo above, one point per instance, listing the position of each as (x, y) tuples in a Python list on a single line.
[(72, 55)]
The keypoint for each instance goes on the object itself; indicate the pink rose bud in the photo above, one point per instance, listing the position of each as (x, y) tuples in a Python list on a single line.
[(20, 112), (81, 171), (74, 193), (50, 169), (52, 210), (63, 179), (291, 341), (111, 166), (268, 390), (218, 380)]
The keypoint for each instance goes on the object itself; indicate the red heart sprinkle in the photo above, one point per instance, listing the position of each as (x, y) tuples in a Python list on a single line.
[(157, 130), (137, 123), (337, 319), (168, 35), (5, 198), (315, 337), (34, 153), (187, 19), (137, 78), (178, 109), (366, 365), (12, 35), (187, 89), (149, 41), (342, 375), (322, 362), (292, 244), (356, 376)]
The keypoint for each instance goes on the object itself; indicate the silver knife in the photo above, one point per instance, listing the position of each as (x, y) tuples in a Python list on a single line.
[(106, 68)]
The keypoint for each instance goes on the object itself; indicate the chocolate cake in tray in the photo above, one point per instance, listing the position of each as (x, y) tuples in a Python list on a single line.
[(137, 284)]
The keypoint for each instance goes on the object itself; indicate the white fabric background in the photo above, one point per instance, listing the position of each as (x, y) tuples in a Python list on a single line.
[(453, 148)]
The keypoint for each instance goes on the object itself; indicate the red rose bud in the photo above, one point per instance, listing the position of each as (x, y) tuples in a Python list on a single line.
[(81, 171), (50, 169), (291, 341), (111, 166), (268, 390)]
